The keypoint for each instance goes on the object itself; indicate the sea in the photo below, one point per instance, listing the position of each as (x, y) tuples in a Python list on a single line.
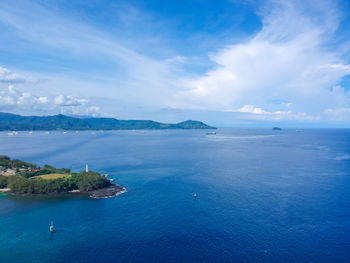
[(262, 196)]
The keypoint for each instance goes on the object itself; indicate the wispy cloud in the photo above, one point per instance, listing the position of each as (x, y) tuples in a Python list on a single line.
[(7, 76), (131, 75)]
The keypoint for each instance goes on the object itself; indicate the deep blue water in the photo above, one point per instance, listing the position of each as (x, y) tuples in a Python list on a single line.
[(263, 196)]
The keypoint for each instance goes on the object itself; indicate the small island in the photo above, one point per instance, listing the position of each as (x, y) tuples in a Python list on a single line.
[(22, 178)]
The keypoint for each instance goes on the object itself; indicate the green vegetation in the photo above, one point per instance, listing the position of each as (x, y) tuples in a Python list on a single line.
[(17, 123), (3, 181), (87, 181), (34, 180), (47, 169), (6, 162)]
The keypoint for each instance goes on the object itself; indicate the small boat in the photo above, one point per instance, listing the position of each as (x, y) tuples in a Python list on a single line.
[(195, 195), (51, 228), (211, 133)]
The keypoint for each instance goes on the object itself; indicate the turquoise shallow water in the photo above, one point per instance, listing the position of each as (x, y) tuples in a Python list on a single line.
[(263, 196)]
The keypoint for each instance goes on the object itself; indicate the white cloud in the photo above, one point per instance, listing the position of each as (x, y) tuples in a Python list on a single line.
[(136, 76), (251, 112), (7, 76), (14, 100), (252, 109), (63, 100), (288, 60), (43, 99), (288, 70)]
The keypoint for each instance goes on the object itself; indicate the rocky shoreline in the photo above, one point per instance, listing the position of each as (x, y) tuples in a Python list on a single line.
[(106, 192)]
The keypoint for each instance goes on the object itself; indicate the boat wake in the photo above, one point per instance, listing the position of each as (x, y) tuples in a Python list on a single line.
[(342, 157)]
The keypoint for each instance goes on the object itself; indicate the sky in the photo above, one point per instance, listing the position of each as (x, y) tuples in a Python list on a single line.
[(229, 63)]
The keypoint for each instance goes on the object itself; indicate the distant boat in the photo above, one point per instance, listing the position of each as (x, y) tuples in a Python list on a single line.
[(64, 132), (211, 133), (51, 227), (195, 195), (30, 132), (277, 128)]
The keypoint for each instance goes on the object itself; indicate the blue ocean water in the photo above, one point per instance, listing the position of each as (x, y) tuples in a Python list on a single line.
[(263, 196)]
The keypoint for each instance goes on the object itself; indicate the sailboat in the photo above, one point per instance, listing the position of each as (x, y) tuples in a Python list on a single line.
[(51, 227)]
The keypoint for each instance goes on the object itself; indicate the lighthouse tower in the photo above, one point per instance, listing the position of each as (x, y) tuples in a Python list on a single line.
[(86, 168)]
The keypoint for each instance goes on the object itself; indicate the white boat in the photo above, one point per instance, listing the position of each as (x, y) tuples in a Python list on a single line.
[(195, 195), (51, 228)]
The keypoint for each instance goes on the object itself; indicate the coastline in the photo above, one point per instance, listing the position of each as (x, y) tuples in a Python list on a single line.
[(106, 192)]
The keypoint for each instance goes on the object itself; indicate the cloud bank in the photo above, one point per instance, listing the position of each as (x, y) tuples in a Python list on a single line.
[(14, 100)]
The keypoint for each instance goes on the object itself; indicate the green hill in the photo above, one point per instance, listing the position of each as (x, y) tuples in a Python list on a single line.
[(15, 122)]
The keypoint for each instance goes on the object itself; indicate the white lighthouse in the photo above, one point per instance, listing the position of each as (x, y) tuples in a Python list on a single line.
[(86, 168)]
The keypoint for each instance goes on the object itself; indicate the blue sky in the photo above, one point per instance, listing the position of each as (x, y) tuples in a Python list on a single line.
[(228, 63)]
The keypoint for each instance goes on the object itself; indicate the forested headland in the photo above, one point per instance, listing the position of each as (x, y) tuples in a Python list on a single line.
[(27, 178)]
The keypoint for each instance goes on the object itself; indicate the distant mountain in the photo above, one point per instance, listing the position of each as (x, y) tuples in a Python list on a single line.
[(15, 122)]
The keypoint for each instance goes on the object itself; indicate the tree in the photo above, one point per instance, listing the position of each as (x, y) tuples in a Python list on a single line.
[(3, 181)]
